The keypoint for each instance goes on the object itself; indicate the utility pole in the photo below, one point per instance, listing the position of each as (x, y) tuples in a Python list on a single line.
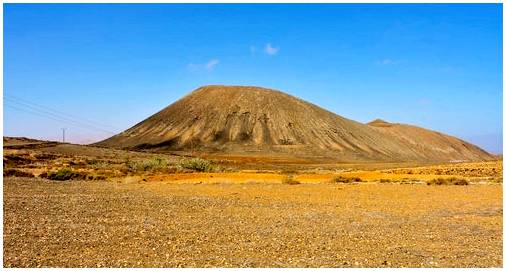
[(63, 134)]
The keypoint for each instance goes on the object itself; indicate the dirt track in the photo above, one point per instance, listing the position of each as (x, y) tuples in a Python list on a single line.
[(158, 224)]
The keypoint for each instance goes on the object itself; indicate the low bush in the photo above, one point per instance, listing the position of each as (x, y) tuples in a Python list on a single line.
[(96, 164), (195, 164), (459, 181), (156, 163), (343, 179), (65, 174), (289, 180), (438, 181), (448, 181), (43, 175), (402, 181), (17, 173)]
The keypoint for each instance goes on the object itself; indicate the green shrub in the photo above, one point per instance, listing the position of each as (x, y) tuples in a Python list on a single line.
[(65, 174), (342, 179), (156, 163), (289, 180), (131, 165), (195, 164), (96, 164), (17, 173)]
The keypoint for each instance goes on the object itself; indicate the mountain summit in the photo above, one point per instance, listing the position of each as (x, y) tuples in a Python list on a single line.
[(260, 121)]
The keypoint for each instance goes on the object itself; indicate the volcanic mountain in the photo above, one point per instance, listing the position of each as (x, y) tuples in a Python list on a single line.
[(245, 120)]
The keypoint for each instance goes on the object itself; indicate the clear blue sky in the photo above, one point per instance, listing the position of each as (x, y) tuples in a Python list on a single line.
[(433, 65)]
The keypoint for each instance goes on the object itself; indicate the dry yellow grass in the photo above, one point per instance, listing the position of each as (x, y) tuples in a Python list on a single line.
[(492, 172), (113, 162)]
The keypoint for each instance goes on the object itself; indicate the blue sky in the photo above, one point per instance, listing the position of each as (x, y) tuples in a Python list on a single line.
[(110, 66)]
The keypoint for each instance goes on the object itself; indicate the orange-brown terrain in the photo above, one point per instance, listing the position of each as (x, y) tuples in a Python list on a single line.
[(123, 208), (250, 177)]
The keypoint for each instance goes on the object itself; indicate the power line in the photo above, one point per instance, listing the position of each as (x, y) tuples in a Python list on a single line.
[(54, 111), (60, 118), (32, 112), (19, 100), (56, 116), (41, 113)]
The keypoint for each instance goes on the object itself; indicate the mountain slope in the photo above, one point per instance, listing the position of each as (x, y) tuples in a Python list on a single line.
[(431, 145), (239, 120)]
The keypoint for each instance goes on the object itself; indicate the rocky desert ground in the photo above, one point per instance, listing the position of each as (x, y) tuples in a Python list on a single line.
[(79, 206)]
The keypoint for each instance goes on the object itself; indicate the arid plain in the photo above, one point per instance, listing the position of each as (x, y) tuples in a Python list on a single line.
[(213, 135), (124, 208)]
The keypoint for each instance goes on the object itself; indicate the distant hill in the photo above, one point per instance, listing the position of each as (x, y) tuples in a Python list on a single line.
[(246, 120), (11, 140)]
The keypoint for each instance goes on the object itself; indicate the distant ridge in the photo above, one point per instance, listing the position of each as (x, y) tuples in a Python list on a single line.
[(380, 123), (253, 120)]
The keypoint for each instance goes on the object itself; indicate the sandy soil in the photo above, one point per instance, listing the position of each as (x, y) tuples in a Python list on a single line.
[(164, 224)]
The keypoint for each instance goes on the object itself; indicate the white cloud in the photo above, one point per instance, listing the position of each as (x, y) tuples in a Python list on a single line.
[(212, 64), (271, 50), (208, 66), (389, 61), (386, 61)]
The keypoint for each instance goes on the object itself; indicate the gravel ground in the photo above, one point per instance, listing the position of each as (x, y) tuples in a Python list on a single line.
[(158, 224)]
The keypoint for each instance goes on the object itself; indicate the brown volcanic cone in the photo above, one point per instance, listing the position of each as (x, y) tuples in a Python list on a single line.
[(239, 120)]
